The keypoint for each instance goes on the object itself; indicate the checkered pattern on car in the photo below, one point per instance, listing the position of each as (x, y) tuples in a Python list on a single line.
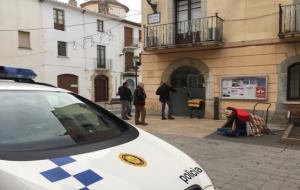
[(64, 171)]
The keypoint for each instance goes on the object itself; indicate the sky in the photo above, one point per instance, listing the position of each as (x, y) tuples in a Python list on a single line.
[(133, 5)]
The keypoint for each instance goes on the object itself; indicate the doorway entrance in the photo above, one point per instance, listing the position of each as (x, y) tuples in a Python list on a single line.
[(68, 82), (189, 83), (101, 88), (131, 85)]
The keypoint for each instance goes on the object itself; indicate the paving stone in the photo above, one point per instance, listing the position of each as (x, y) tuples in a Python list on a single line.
[(245, 163), (236, 166)]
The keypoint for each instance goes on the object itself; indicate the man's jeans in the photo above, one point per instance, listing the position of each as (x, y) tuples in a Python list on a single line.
[(163, 108), (125, 108)]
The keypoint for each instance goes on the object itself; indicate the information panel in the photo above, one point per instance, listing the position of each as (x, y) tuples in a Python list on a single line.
[(244, 87)]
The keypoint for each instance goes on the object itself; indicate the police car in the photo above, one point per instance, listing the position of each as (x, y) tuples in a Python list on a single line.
[(52, 139)]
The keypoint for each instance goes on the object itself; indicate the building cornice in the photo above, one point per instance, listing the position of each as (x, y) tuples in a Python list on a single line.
[(131, 23), (66, 5), (108, 1), (227, 45)]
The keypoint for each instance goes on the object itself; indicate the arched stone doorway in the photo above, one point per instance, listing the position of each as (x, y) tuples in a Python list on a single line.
[(68, 82), (189, 83), (101, 89), (131, 85), (283, 102), (192, 79)]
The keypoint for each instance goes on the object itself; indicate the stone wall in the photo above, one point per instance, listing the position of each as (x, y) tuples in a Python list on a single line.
[(270, 59)]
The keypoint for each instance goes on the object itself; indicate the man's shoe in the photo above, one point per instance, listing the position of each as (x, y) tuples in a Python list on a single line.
[(126, 118), (129, 115), (137, 123), (170, 117), (144, 123), (163, 118)]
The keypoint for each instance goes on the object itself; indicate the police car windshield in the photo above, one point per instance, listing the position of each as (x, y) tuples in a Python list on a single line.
[(32, 120)]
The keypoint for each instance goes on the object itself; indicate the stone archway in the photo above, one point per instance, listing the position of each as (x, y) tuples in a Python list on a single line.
[(204, 70), (282, 77), (202, 67), (106, 75), (280, 115)]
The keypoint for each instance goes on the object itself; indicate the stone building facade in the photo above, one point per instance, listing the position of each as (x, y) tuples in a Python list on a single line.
[(214, 44)]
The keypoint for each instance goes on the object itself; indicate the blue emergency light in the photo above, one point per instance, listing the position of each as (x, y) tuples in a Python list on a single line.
[(19, 73)]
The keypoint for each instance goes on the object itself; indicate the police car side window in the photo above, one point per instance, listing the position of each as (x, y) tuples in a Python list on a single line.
[(53, 118)]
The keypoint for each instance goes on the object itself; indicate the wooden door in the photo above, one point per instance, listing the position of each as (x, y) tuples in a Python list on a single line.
[(101, 89), (68, 82), (129, 61), (128, 35)]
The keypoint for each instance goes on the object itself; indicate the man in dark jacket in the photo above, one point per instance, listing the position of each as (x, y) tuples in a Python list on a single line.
[(125, 98), (164, 97), (139, 102)]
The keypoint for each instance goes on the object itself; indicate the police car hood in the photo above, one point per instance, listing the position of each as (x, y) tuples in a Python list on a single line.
[(146, 163)]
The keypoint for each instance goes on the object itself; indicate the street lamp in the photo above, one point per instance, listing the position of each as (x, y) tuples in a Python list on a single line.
[(137, 63), (153, 5)]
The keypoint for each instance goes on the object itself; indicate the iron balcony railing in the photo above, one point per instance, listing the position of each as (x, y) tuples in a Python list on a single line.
[(197, 31), (104, 64), (135, 42), (289, 20)]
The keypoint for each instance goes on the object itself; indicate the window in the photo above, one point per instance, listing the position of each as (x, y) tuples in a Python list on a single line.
[(129, 61), (59, 19), (101, 59), (62, 48), (188, 9), (100, 26), (128, 36), (52, 120), (294, 82), (24, 39)]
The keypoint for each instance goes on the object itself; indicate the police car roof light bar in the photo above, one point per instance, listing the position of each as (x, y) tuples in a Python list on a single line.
[(16, 73)]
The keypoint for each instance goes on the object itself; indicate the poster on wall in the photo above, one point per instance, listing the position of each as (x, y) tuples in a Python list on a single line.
[(244, 87)]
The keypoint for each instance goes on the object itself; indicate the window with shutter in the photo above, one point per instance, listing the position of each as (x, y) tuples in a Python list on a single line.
[(61, 48), (100, 26), (24, 39), (101, 57), (59, 19)]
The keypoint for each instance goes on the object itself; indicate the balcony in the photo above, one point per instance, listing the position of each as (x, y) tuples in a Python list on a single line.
[(198, 32), (130, 45), (289, 20), (103, 64)]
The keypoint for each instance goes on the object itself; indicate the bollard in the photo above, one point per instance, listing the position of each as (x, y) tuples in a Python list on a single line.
[(216, 108)]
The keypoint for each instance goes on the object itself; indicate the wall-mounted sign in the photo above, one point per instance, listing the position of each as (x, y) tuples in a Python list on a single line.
[(154, 18), (244, 87)]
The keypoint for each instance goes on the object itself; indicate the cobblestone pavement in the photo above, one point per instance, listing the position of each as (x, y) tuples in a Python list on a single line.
[(244, 163)]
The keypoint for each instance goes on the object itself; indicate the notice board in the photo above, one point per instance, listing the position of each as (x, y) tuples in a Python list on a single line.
[(244, 87)]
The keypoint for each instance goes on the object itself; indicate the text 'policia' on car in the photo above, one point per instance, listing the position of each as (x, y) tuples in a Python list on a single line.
[(53, 139)]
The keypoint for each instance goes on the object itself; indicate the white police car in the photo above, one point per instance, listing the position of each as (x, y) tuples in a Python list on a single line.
[(53, 139)]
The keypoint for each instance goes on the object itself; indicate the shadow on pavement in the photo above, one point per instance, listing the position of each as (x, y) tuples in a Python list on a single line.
[(265, 140)]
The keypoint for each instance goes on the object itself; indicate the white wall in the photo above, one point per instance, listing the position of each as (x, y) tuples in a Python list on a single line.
[(81, 61), (137, 51), (43, 58), (117, 11), (16, 15)]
